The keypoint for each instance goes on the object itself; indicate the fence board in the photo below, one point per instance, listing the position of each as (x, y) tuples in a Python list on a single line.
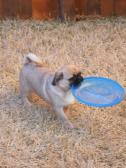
[(107, 7), (120, 7), (93, 7), (1, 9), (7, 9), (45, 9), (16, 8), (25, 8), (69, 8), (81, 7)]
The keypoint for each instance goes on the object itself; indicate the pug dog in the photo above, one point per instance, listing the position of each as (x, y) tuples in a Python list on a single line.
[(54, 87)]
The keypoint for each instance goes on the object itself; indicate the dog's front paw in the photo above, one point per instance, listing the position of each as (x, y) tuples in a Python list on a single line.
[(68, 125), (26, 103)]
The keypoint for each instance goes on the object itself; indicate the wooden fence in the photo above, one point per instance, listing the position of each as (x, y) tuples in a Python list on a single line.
[(44, 9)]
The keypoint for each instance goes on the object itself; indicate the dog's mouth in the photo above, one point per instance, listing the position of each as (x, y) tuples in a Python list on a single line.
[(76, 80)]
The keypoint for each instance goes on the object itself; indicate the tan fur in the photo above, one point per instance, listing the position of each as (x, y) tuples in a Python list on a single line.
[(35, 77)]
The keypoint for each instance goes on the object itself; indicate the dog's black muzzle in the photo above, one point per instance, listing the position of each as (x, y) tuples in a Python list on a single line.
[(76, 80)]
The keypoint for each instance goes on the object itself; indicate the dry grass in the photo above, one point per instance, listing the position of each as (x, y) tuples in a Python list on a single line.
[(30, 137)]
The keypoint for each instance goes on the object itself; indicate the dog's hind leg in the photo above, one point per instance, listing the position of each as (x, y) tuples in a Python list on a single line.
[(24, 91)]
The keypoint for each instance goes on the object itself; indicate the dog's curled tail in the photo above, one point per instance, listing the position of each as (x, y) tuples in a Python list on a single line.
[(31, 58)]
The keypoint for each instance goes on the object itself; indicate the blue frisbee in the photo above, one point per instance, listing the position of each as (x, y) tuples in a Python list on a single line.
[(99, 92)]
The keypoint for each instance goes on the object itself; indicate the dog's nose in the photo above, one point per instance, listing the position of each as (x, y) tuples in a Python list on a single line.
[(81, 79), (78, 81)]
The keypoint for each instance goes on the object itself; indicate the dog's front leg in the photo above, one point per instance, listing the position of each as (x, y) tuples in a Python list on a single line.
[(62, 117)]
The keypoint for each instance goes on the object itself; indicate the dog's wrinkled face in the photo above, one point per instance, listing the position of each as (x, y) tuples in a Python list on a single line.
[(67, 76)]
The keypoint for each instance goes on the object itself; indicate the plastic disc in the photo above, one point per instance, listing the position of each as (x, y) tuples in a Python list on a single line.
[(99, 92)]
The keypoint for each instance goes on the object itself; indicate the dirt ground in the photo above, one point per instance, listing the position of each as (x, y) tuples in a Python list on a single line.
[(30, 137)]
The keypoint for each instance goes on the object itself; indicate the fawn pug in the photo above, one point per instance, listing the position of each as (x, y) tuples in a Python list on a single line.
[(54, 87)]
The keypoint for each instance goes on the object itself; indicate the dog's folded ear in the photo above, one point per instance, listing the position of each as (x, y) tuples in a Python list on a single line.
[(57, 77)]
